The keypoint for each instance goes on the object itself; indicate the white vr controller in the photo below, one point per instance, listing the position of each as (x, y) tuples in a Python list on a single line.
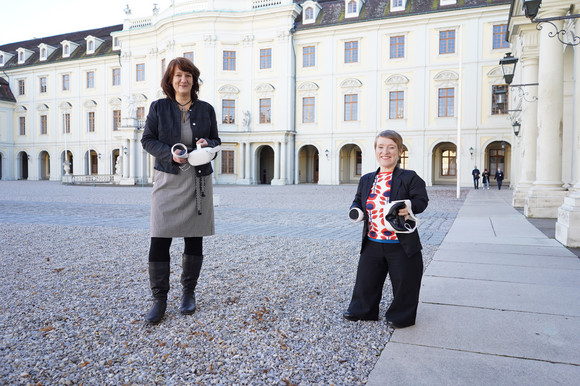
[(197, 157), (393, 221)]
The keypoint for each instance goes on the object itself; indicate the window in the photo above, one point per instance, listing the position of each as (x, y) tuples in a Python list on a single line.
[(21, 88), (91, 79), (396, 4), (116, 76), (116, 119), (140, 114), (499, 99), (140, 72), (309, 13), (447, 42), (43, 125), (308, 56), (266, 58), (66, 123), (397, 47), (43, 53), (42, 84), (227, 161), (308, 110), (66, 82), (188, 55), (352, 6), (350, 107), (446, 101), (265, 110), (404, 160), (396, 104), (351, 52), (22, 125), (448, 163), (228, 111), (91, 121), (499, 32), (91, 47), (229, 61)]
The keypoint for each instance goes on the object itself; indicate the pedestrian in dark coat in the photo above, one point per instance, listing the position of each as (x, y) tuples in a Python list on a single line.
[(499, 178)]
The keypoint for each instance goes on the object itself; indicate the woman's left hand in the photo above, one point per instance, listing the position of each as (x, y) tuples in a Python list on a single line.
[(201, 143), (404, 212)]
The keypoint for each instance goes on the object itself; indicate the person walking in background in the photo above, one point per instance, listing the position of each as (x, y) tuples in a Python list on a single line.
[(182, 197), (386, 252), (499, 178), (485, 179), (475, 174)]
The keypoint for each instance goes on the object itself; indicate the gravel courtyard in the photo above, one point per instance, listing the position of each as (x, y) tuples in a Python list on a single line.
[(276, 278)]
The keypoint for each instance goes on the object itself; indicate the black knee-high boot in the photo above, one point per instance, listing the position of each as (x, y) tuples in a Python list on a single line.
[(159, 281), (191, 267)]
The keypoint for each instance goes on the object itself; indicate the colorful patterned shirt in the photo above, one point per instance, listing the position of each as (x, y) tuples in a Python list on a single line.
[(376, 201)]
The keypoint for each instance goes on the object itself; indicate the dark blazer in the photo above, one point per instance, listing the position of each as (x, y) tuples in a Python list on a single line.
[(405, 185), (163, 130)]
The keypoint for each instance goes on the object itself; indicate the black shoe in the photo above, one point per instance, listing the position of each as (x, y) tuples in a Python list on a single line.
[(157, 311), (395, 326), (348, 316)]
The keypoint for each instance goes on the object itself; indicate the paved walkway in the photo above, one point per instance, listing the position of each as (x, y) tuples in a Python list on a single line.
[(500, 305)]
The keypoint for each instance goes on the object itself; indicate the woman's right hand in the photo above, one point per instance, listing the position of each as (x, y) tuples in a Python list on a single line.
[(179, 160)]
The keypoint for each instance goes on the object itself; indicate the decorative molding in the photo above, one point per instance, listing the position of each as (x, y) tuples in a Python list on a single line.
[(247, 40), (495, 73), (396, 80), (65, 106), (90, 104), (308, 86), (265, 88), (209, 40), (21, 109), (229, 89), (42, 107), (115, 102), (446, 75)]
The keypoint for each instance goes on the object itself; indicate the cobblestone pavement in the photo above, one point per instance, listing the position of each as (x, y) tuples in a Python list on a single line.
[(294, 211)]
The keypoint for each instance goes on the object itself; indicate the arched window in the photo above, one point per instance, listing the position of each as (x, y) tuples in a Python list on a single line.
[(352, 7), (404, 160), (91, 45), (309, 13)]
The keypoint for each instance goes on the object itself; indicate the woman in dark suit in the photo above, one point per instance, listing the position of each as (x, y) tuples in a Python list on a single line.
[(384, 251), (182, 197)]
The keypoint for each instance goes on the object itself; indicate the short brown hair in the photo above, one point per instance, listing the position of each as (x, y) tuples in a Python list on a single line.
[(393, 135), (185, 65)]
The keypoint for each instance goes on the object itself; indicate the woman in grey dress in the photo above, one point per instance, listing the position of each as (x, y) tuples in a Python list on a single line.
[(182, 196)]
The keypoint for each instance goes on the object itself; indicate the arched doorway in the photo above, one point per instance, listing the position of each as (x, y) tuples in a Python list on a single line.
[(92, 162), (44, 163), (445, 164), (66, 164), (497, 156), (114, 166), (350, 164), (265, 165), (22, 165), (308, 162), (1, 157)]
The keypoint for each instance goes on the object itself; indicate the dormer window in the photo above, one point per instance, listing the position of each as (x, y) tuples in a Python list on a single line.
[(92, 44), (448, 2), (353, 7), (68, 48), (23, 55), (5, 58), (116, 43), (45, 51), (398, 5), (311, 11)]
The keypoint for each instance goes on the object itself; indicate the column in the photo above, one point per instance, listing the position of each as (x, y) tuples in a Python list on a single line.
[(547, 193), (276, 179), (133, 157), (529, 119), (283, 163), (568, 225)]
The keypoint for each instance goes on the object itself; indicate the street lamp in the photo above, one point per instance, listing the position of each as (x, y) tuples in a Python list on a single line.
[(566, 35), (471, 150), (517, 126), (125, 150), (531, 8), (326, 153), (508, 67)]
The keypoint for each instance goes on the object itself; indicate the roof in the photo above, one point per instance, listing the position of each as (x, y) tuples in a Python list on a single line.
[(78, 37), (332, 11), (5, 92)]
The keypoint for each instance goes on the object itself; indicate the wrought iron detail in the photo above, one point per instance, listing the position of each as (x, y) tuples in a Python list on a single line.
[(565, 35)]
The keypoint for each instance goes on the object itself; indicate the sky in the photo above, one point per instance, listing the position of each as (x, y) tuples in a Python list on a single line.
[(29, 19)]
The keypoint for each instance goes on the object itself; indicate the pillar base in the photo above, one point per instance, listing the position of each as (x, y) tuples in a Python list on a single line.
[(244, 181), (519, 196), (568, 225), (279, 181), (544, 203)]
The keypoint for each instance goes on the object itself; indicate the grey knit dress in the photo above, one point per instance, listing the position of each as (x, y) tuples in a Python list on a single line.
[(182, 204)]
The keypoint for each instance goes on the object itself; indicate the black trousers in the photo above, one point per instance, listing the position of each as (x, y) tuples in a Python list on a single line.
[(376, 260)]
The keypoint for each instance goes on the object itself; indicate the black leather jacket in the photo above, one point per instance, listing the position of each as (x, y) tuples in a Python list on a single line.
[(163, 130)]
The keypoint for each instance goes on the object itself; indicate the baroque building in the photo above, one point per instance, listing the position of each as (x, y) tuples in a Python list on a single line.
[(300, 88)]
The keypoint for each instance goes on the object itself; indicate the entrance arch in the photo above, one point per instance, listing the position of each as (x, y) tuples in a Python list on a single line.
[(498, 155), (350, 164), (265, 157), (44, 165), (444, 164), (22, 172), (91, 162), (308, 163), (66, 165)]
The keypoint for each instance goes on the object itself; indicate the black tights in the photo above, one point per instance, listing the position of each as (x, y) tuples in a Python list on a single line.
[(159, 250)]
